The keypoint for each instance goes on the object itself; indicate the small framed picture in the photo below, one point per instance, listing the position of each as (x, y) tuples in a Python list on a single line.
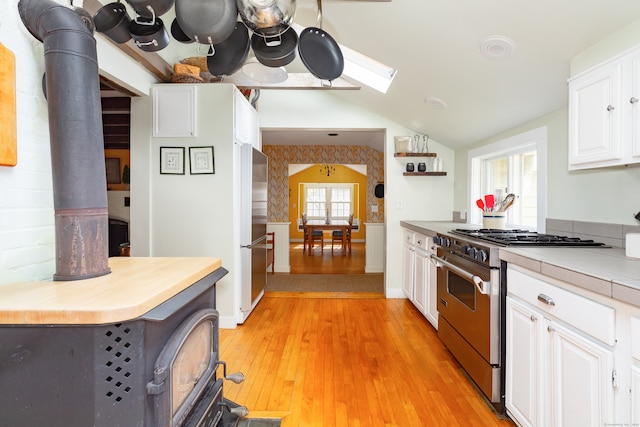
[(201, 160), (172, 160), (112, 165)]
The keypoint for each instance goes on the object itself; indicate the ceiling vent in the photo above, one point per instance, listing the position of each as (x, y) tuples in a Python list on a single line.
[(498, 47)]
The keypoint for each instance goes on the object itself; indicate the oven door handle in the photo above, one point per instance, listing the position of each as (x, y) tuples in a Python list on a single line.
[(483, 287)]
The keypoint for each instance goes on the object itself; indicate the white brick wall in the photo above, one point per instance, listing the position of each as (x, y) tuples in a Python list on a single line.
[(27, 240)]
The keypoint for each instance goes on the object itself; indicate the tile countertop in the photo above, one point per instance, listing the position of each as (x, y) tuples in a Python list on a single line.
[(606, 271)]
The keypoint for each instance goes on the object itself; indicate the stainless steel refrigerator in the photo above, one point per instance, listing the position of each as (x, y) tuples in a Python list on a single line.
[(253, 231)]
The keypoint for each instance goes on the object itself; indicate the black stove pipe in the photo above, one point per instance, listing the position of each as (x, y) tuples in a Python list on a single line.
[(77, 140)]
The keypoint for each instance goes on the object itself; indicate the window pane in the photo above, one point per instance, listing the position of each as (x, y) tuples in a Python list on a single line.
[(316, 202), (340, 202), (528, 199), (513, 173)]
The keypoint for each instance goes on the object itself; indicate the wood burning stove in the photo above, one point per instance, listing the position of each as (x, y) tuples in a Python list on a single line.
[(158, 369)]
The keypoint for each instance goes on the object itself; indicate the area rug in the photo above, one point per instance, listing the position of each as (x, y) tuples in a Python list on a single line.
[(282, 282)]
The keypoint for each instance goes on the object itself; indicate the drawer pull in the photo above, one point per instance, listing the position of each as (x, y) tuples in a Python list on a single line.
[(551, 329), (546, 299), (534, 318)]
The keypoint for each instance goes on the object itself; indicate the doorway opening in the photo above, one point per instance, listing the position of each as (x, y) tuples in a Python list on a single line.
[(327, 192)]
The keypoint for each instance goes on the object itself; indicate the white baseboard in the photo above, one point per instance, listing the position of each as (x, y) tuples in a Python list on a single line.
[(375, 269), (395, 293), (282, 269), (227, 322)]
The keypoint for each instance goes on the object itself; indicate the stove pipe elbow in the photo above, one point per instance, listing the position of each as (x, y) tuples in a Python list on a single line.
[(76, 138)]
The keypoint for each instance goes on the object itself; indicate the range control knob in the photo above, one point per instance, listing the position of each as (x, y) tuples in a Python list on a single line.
[(466, 249), (446, 242), (481, 255), (472, 252)]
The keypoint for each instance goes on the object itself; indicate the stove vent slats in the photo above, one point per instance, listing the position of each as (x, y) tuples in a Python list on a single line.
[(118, 360)]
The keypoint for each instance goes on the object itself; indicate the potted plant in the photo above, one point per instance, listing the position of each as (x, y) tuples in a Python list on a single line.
[(126, 176)]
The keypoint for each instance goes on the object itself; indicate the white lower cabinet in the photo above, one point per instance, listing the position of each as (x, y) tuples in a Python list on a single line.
[(523, 361), (418, 274), (421, 280), (557, 372), (635, 395), (408, 269), (635, 371), (581, 379)]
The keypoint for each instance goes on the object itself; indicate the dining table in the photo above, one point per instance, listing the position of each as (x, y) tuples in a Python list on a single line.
[(327, 224)]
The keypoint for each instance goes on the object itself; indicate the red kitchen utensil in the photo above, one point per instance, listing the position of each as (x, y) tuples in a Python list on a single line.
[(489, 201), (480, 204)]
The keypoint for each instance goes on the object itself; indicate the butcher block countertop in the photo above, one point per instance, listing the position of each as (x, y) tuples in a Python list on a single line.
[(134, 286)]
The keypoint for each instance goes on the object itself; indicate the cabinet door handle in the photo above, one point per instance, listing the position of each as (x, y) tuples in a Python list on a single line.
[(633, 100), (610, 108), (546, 299), (534, 318), (551, 329)]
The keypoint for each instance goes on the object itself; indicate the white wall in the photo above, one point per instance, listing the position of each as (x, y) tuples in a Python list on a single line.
[(27, 240), (609, 195), (422, 198), (27, 235)]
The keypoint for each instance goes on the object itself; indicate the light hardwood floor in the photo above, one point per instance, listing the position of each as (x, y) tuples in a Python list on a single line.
[(324, 262), (332, 360)]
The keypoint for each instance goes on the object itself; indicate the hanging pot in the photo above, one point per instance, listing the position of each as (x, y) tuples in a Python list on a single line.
[(275, 51), (178, 34), (207, 21), (267, 17), (144, 7), (113, 21), (228, 56), (319, 52), (149, 35)]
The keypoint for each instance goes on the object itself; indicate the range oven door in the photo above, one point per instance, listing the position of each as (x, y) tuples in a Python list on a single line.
[(469, 300)]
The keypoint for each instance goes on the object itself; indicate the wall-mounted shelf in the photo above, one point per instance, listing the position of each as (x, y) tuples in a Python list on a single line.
[(424, 173), (414, 154)]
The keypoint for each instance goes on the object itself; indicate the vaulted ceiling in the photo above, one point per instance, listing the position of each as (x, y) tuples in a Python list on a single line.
[(445, 86)]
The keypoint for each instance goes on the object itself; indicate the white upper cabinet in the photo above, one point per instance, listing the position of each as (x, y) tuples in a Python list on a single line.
[(174, 111), (604, 116), (247, 129)]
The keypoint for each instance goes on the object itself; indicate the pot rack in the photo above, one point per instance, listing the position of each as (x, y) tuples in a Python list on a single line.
[(159, 67)]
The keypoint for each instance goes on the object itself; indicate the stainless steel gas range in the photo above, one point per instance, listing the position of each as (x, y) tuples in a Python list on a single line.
[(471, 286)]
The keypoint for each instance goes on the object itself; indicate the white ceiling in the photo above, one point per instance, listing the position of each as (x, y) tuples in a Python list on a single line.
[(435, 46)]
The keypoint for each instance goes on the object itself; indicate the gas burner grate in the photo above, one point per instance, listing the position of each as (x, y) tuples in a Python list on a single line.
[(517, 237)]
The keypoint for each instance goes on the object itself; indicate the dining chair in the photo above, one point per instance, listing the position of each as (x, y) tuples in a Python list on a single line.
[(336, 235), (271, 251), (316, 235)]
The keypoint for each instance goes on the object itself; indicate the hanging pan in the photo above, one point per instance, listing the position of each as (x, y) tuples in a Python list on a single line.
[(319, 52), (144, 7), (113, 21), (178, 34), (205, 21), (228, 56), (275, 51)]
